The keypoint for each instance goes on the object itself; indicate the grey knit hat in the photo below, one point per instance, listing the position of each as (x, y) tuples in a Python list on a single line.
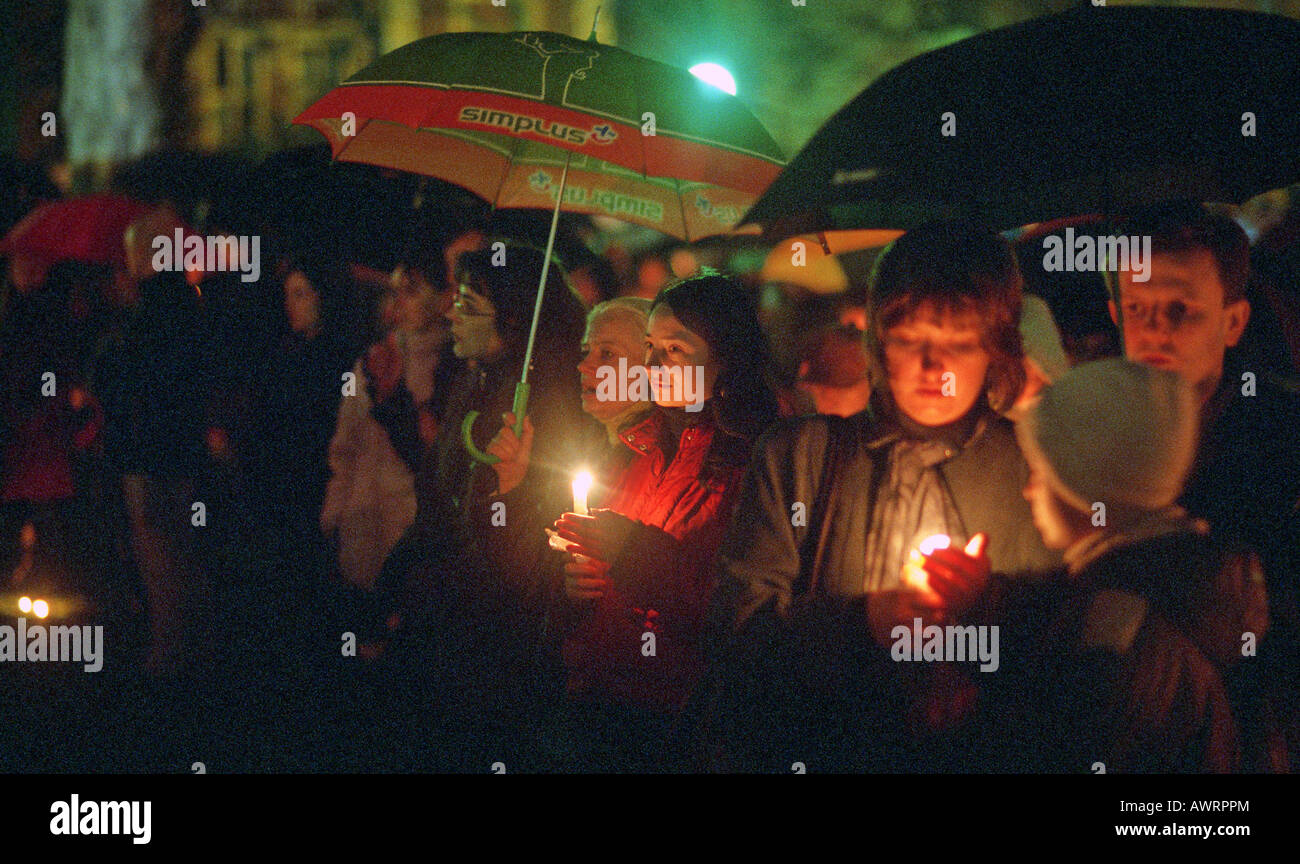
[(1115, 432), (1041, 338)]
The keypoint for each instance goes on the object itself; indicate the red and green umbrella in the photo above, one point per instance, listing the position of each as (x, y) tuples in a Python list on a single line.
[(502, 113), (547, 121)]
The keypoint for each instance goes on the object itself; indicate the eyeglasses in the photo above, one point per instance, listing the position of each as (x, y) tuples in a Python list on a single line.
[(470, 306)]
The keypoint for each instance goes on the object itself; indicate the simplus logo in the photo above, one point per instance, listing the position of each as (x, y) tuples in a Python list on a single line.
[(520, 123), (539, 180), (726, 215)]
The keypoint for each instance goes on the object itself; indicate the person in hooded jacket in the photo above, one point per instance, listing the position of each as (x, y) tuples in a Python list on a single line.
[(1119, 660)]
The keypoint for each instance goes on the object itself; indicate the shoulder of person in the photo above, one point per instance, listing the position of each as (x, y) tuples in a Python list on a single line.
[(1112, 620), (793, 437)]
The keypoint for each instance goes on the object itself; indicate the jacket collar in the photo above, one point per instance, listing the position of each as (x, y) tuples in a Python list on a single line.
[(654, 432), (884, 428)]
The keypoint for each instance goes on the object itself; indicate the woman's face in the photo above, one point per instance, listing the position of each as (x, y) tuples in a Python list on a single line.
[(610, 338), (936, 365), (473, 326), (675, 356), (301, 304)]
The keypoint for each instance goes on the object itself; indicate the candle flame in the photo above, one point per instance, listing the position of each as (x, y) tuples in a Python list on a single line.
[(582, 483), (933, 542)]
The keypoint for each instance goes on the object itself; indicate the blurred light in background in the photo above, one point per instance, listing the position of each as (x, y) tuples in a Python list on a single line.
[(712, 73), (683, 263)]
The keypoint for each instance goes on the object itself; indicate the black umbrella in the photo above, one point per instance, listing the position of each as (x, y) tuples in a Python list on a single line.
[(1092, 110)]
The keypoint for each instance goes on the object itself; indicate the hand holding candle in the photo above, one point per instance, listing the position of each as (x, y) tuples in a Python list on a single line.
[(914, 568), (602, 535), (956, 576)]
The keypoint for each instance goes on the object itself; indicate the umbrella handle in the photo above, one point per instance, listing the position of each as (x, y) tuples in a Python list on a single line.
[(519, 408)]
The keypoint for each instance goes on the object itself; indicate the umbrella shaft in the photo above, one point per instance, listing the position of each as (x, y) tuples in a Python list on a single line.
[(546, 269)]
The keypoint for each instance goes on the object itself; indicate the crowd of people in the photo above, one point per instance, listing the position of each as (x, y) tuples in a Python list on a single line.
[(282, 481)]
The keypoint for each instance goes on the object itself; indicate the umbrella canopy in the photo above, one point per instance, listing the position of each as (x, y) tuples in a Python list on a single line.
[(1092, 110), (75, 229), (502, 114), (812, 261)]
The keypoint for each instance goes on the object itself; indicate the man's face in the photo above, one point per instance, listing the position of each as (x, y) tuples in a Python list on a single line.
[(1177, 320), (936, 366), (416, 306)]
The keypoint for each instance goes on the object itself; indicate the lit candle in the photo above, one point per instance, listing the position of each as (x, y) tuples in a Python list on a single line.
[(914, 569), (933, 542), (581, 486)]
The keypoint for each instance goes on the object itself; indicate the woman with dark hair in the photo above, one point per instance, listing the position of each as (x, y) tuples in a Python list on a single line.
[(294, 414), (464, 581), (640, 570), (813, 569)]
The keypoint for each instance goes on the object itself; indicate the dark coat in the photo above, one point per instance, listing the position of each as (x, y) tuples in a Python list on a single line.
[(1246, 484), (1124, 665), (152, 384), (1246, 479), (469, 576)]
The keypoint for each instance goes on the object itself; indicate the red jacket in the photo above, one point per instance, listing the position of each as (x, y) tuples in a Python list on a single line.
[(664, 576)]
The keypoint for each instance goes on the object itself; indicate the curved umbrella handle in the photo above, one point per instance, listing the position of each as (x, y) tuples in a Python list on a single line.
[(519, 407)]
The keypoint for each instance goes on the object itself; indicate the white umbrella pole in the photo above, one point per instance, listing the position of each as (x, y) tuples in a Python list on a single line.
[(546, 269), (520, 405)]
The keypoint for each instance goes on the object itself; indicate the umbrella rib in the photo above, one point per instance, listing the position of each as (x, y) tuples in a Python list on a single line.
[(510, 166), (681, 208)]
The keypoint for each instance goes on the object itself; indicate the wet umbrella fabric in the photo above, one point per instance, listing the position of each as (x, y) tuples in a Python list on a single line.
[(503, 113), (1092, 110)]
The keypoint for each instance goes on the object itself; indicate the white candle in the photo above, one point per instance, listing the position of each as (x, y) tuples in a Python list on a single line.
[(581, 486)]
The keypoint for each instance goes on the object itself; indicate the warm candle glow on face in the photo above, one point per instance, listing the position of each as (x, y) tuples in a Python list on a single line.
[(581, 486)]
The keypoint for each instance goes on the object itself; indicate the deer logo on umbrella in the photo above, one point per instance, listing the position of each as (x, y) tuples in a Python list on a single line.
[(561, 64)]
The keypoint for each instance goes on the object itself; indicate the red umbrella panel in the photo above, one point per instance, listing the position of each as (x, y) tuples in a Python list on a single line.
[(499, 112), (85, 229), (512, 172)]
